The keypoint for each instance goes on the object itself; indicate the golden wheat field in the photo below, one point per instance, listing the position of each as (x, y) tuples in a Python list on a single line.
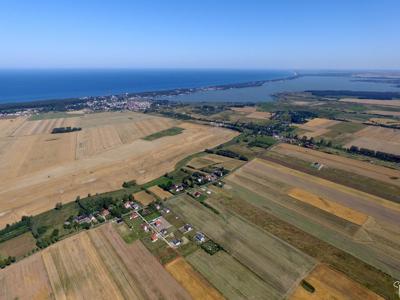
[(96, 264), (39, 169)]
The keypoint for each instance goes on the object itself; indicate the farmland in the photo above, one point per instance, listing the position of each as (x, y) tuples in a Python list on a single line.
[(390, 176), (252, 113), (18, 246), (393, 103), (378, 139), (214, 160), (271, 184), (287, 225), (192, 281), (106, 152), (330, 284), (144, 197), (97, 264), (230, 277), (317, 127), (278, 264), (159, 192)]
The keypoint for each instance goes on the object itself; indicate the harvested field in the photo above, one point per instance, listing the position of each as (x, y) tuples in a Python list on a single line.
[(317, 127), (107, 152), (285, 224), (144, 198), (200, 162), (76, 271), (395, 103), (378, 139), (231, 278), (8, 126), (44, 126), (266, 184), (18, 246), (338, 210), (331, 284), (214, 159), (26, 280), (380, 173), (259, 170), (95, 264), (384, 121), (252, 113), (193, 282), (159, 192), (384, 112), (274, 261), (134, 267)]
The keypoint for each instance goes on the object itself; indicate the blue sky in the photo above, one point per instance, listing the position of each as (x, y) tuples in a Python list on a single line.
[(261, 34)]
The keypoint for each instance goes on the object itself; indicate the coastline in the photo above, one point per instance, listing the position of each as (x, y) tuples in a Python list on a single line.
[(145, 95)]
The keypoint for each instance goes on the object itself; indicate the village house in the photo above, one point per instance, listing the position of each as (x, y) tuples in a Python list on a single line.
[(200, 237), (82, 219), (145, 227), (176, 242), (105, 213), (154, 237), (188, 227), (133, 216)]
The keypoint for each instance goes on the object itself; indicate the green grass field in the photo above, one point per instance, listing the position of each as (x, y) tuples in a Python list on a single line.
[(167, 132)]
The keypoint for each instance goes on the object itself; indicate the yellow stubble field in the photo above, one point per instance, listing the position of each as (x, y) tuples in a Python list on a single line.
[(38, 169)]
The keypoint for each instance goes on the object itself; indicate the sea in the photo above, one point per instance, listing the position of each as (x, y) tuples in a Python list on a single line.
[(32, 85)]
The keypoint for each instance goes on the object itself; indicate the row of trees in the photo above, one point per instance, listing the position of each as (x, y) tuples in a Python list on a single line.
[(378, 154)]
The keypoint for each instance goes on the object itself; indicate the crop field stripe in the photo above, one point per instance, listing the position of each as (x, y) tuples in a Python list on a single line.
[(294, 229), (329, 184), (197, 286), (251, 244), (329, 206)]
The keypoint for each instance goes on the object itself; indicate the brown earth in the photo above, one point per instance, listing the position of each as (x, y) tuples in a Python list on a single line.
[(39, 170)]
